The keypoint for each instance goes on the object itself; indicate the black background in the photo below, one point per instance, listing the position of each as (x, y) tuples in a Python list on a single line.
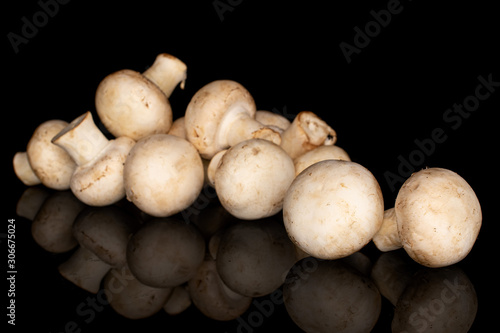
[(287, 54)]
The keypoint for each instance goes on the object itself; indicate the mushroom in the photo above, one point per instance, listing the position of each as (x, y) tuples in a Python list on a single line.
[(222, 114), (212, 297), (178, 128), (307, 131), (165, 253), (136, 105), (31, 201), (319, 154), (275, 120), (52, 225), (439, 300), (330, 296), (387, 238), (43, 161), (84, 269), (23, 169), (98, 179), (254, 257), (105, 231), (131, 298), (163, 175), (252, 177), (179, 301), (438, 217), (333, 209)]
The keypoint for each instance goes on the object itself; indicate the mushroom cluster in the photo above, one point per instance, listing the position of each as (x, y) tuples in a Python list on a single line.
[(259, 164)]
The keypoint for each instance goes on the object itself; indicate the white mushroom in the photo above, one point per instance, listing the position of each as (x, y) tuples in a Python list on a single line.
[(98, 179), (136, 105), (178, 128), (165, 253), (331, 296), (318, 154), (23, 169), (254, 257), (220, 115), (163, 174), (252, 178), (273, 119), (438, 216), (50, 164), (307, 131), (387, 238), (333, 209)]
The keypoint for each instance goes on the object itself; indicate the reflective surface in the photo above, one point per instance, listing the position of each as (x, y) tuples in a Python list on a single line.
[(248, 277)]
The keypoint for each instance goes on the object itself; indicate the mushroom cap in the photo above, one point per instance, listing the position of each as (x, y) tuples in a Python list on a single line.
[(387, 238), (163, 174), (438, 216), (206, 111), (318, 154), (100, 182), (165, 253), (269, 118), (252, 179), (333, 209), (129, 104), (50, 163)]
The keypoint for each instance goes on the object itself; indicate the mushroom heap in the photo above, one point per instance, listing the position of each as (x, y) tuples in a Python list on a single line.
[(258, 162)]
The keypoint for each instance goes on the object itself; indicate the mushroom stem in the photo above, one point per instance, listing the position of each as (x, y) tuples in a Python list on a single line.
[(23, 169), (81, 139), (166, 72), (306, 132), (237, 126)]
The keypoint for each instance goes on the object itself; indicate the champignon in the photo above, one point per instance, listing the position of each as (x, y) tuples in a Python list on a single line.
[(98, 179), (136, 105), (252, 177), (222, 114), (318, 154), (50, 164), (387, 238), (163, 174), (333, 209), (438, 216)]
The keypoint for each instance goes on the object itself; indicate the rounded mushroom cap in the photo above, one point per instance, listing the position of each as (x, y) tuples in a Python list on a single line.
[(129, 104), (50, 163), (252, 179), (206, 111), (438, 216), (165, 253), (333, 209), (269, 118), (163, 174), (100, 182), (319, 154), (331, 296)]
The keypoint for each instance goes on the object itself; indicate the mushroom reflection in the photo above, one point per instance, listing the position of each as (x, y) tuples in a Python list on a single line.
[(165, 252), (254, 256), (131, 298), (105, 231), (436, 300), (31, 201), (330, 296), (52, 226), (212, 297)]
